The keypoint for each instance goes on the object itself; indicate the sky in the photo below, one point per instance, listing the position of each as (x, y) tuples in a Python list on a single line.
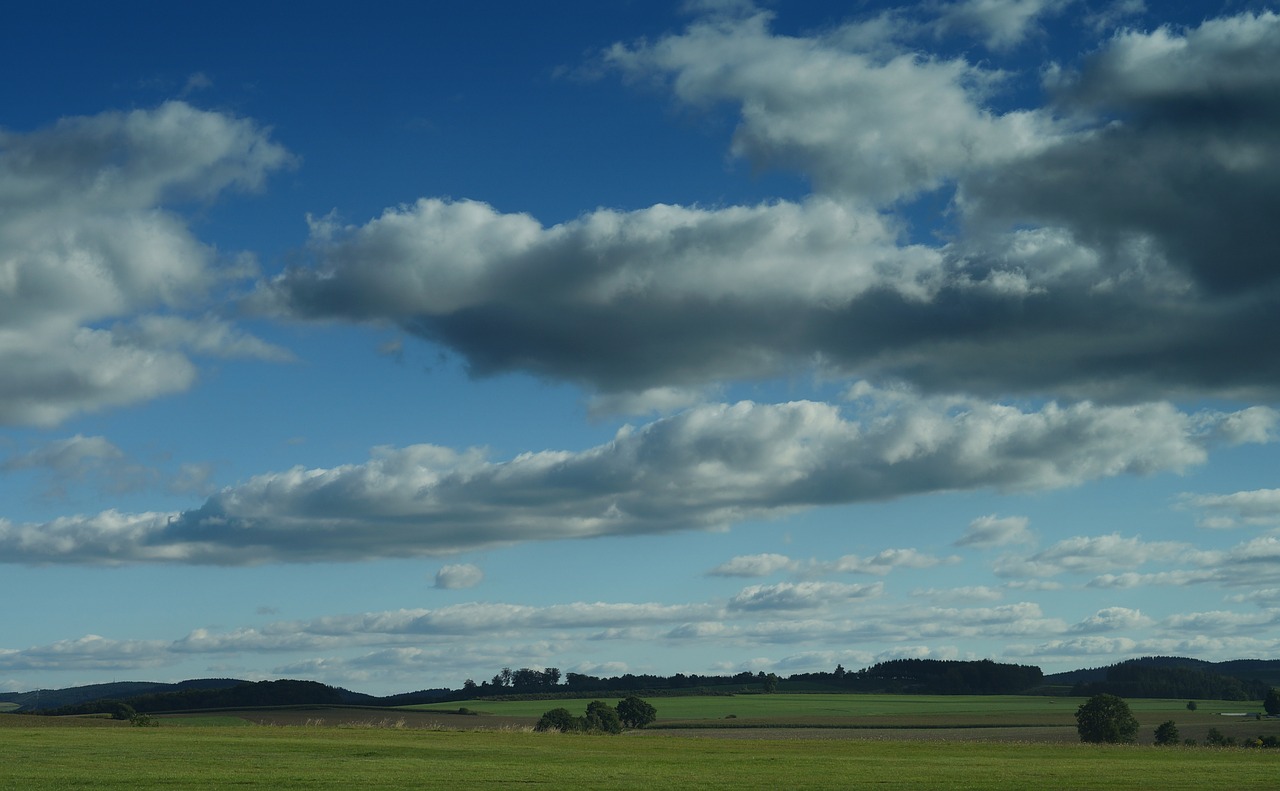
[(388, 346)]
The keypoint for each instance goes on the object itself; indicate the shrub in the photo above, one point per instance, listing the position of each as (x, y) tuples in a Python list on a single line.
[(1191, 705), (1215, 738), (1167, 734)]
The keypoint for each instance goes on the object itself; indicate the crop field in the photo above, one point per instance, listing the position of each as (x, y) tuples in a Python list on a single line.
[(789, 741), (938, 717)]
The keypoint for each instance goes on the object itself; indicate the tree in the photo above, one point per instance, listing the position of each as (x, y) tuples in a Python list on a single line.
[(1272, 702), (1167, 734), (1191, 705), (602, 717), (636, 713), (1106, 719)]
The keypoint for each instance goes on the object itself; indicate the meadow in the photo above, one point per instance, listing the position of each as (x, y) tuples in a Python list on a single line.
[(780, 748)]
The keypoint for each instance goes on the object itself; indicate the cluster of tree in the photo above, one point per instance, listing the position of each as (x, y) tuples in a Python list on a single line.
[(933, 677), (1135, 679), (600, 717), (246, 694)]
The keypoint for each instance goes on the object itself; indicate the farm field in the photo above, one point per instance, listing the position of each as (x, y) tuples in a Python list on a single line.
[(100, 754), (951, 717)]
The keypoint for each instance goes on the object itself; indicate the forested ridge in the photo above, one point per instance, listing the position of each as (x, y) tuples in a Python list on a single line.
[(1150, 677)]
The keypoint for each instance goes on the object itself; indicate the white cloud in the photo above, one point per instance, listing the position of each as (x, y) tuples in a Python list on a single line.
[(882, 562), (754, 566), (85, 238), (1113, 619), (1257, 507), (1092, 554), (974, 593), (874, 127), (706, 467), (801, 595), (996, 531), (1001, 23), (459, 575)]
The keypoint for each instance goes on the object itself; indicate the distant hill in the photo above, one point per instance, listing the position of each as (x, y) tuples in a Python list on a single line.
[(1146, 675), (118, 690), (1175, 676), (1267, 670)]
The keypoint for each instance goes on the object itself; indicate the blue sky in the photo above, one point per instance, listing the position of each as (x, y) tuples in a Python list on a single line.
[(391, 346)]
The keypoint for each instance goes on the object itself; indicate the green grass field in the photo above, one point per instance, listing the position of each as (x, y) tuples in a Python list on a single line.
[(109, 757)]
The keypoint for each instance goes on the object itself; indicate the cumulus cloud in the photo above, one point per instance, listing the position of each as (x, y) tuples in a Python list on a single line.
[(1114, 244), (1186, 165), (707, 467), (85, 238), (458, 575)]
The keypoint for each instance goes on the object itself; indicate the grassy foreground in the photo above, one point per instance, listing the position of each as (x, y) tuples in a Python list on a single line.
[(33, 757)]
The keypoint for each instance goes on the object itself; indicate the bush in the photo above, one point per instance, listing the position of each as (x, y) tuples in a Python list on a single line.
[(1191, 705), (1167, 734), (1215, 738), (1106, 719)]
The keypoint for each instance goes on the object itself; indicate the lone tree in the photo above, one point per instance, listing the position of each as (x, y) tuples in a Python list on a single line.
[(1272, 703), (636, 713), (1167, 734), (1106, 719)]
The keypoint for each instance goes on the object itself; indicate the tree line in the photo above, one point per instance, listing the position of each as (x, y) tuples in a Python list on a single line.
[(932, 677)]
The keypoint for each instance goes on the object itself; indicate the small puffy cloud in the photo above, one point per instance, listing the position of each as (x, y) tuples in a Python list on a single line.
[(458, 575), (1001, 24), (975, 593), (71, 456), (707, 467), (754, 566), (996, 531), (1077, 647), (1113, 619), (881, 563), (801, 595)]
